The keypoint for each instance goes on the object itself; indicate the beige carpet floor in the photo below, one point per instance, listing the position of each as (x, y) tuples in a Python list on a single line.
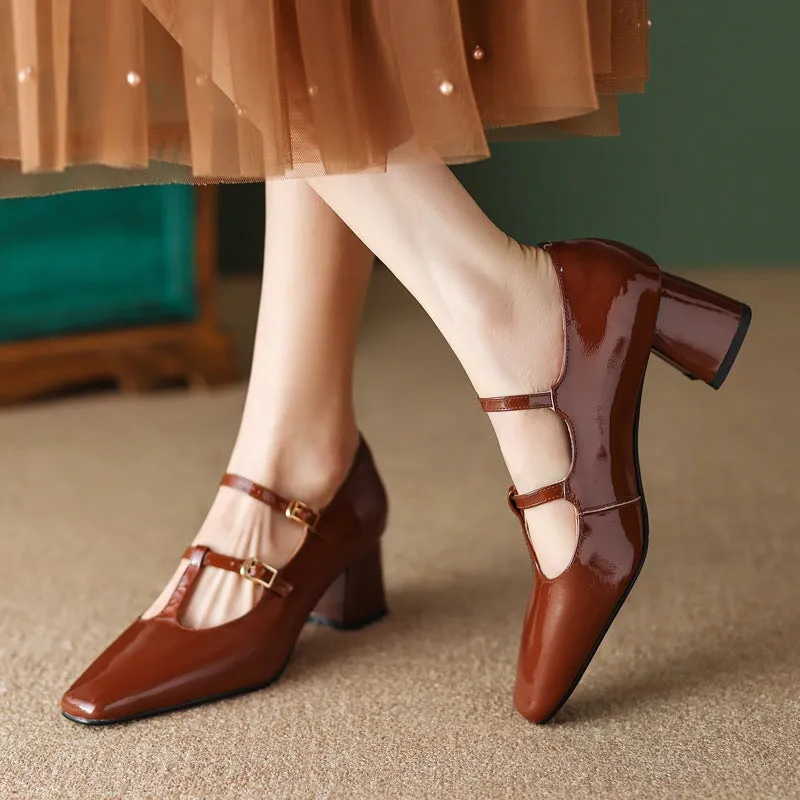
[(693, 694)]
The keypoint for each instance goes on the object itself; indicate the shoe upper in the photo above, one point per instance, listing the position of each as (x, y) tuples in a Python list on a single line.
[(610, 299), (159, 664)]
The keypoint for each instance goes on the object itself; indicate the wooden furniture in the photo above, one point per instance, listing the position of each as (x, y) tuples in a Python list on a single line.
[(138, 311)]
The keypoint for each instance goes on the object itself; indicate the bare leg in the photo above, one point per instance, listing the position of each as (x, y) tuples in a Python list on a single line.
[(496, 302), (298, 432)]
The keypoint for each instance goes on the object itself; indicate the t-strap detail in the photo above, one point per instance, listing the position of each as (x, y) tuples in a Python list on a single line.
[(291, 509), (250, 568)]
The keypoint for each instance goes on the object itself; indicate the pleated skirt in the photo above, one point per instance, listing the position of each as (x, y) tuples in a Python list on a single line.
[(107, 93)]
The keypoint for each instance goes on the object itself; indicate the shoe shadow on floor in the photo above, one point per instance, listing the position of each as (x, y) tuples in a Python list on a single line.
[(759, 646), (433, 616), (430, 616)]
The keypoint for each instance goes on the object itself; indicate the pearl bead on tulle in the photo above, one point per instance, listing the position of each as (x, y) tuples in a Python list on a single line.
[(478, 53), (313, 90), (446, 88), (201, 80), (133, 78), (25, 74)]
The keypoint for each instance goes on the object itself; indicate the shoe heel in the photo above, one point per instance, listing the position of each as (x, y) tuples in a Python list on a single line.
[(356, 598), (699, 331)]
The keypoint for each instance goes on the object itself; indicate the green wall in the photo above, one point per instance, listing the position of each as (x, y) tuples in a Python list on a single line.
[(707, 170)]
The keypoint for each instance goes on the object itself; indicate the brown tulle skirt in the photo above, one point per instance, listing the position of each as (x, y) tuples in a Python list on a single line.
[(99, 93)]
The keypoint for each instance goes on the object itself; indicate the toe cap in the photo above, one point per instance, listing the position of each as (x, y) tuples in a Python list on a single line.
[(79, 708)]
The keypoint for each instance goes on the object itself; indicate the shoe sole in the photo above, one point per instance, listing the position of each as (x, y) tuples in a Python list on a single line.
[(733, 351)]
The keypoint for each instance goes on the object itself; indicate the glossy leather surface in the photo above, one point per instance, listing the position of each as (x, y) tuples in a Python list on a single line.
[(158, 664), (698, 331), (697, 328), (299, 512), (611, 300)]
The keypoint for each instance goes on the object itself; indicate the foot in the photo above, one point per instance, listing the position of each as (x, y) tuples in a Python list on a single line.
[(240, 526), (519, 349)]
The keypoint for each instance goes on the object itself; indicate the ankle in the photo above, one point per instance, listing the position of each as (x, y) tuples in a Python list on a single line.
[(505, 325), (306, 462)]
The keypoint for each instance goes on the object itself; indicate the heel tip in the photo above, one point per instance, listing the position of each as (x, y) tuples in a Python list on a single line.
[(733, 350), (328, 622)]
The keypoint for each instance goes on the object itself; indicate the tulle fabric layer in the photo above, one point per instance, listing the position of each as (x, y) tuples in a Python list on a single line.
[(99, 93)]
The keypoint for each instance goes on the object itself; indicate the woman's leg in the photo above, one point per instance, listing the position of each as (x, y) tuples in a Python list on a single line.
[(497, 303), (298, 432)]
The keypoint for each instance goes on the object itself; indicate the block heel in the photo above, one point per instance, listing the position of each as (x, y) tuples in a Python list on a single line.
[(699, 331), (356, 598)]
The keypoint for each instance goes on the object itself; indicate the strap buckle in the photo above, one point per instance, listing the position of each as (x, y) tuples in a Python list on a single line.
[(302, 514), (250, 564)]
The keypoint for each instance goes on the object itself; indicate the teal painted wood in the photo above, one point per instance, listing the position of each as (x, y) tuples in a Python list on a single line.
[(92, 261)]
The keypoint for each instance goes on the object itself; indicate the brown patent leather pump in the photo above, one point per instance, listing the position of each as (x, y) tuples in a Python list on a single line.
[(334, 577), (616, 305), (699, 331)]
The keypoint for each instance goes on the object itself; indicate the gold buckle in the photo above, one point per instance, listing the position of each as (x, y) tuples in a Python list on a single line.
[(296, 508), (246, 571)]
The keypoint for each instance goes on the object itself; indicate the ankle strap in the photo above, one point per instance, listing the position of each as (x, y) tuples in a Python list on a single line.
[(517, 402), (291, 509)]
